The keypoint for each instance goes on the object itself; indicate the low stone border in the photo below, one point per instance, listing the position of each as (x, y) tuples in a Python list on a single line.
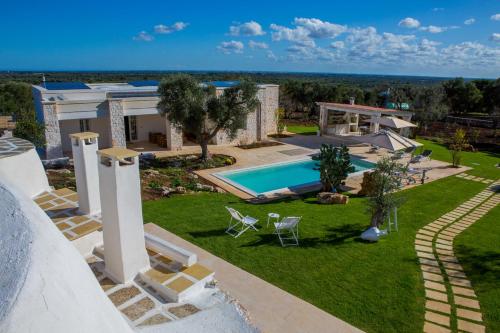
[(447, 289)]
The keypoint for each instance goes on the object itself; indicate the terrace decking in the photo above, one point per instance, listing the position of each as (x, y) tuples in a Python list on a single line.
[(62, 207), (138, 301)]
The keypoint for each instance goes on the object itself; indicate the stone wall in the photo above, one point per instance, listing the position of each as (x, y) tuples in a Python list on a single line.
[(272, 104), (53, 146), (269, 99), (116, 123), (174, 136)]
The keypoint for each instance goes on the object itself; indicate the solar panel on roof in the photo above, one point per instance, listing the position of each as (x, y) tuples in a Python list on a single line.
[(145, 83), (222, 84), (64, 85)]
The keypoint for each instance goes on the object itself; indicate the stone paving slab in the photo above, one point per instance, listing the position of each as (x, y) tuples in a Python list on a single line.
[(437, 318), (439, 253), (433, 328), (467, 326), (468, 314)]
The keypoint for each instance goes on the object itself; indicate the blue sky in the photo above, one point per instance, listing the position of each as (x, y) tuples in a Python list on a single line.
[(438, 38)]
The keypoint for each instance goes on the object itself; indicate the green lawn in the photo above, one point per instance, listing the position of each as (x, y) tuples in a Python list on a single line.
[(482, 162), (478, 250), (376, 287), (302, 129)]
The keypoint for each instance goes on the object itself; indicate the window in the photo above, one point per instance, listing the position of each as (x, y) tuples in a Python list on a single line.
[(84, 125), (133, 127)]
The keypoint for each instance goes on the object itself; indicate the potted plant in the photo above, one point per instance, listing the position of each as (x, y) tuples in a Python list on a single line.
[(382, 197)]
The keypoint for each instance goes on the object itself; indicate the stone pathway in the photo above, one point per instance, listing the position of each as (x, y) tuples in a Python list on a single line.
[(451, 303), (475, 178)]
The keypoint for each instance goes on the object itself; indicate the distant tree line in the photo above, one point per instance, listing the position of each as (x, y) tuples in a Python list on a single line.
[(430, 103), (430, 98)]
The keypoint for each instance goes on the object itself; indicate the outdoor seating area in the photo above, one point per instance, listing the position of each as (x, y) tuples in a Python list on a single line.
[(287, 229)]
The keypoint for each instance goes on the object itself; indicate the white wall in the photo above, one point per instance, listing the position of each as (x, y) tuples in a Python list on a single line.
[(97, 125), (26, 172), (68, 127), (55, 291), (150, 123)]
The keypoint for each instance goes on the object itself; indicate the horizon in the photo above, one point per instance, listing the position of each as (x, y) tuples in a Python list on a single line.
[(456, 39), (159, 71)]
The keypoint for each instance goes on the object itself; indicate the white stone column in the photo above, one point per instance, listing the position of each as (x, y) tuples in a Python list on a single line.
[(53, 145), (123, 233), (84, 146), (323, 119), (116, 123), (375, 124)]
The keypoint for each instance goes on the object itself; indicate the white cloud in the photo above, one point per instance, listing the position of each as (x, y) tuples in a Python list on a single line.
[(250, 28), (320, 29), (437, 9), (337, 45), (495, 17), (231, 47), (409, 22), (168, 29), (436, 30), (306, 30), (270, 55), (143, 36), (495, 37), (470, 21), (257, 45)]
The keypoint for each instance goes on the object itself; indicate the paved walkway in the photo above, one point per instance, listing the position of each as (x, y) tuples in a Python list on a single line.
[(271, 309), (451, 303)]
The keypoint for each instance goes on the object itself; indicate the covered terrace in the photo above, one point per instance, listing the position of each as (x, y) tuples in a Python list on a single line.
[(353, 119)]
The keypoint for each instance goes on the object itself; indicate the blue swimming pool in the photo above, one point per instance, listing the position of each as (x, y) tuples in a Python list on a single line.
[(274, 177)]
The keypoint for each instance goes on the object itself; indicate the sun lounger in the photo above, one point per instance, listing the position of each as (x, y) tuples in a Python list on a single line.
[(238, 223), (288, 231), (422, 157)]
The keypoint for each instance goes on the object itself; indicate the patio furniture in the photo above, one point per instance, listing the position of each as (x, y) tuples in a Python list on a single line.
[(272, 216), (238, 223), (403, 153), (374, 149), (288, 231), (422, 157)]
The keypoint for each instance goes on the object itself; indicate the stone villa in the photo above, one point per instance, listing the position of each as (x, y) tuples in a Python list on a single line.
[(124, 113)]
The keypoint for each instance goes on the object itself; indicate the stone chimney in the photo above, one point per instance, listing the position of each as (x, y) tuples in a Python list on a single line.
[(84, 147), (123, 233), (351, 100)]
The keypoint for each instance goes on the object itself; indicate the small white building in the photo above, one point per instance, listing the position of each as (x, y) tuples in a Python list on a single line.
[(124, 113)]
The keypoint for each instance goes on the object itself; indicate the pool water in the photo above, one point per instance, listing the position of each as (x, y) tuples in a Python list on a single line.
[(275, 177)]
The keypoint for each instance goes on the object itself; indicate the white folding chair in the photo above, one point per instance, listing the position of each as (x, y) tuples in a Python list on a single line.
[(238, 223), (288, 231)]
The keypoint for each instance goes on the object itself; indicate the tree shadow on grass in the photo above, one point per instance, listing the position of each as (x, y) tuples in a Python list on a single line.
[(480, 266), (334, 236), (208, 233)]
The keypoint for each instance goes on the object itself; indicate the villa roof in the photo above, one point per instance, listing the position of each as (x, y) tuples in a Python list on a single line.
[(360, 108), (118, 153)]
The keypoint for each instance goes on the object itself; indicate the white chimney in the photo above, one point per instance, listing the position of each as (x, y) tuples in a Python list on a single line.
[(123, 233), (351, 100), (84, 146)]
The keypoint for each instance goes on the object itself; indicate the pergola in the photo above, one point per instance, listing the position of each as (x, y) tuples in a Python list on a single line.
[(343, 119)]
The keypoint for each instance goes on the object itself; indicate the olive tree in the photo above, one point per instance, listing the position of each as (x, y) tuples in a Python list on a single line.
[(382, 197), (334, 166), (201, 112)]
